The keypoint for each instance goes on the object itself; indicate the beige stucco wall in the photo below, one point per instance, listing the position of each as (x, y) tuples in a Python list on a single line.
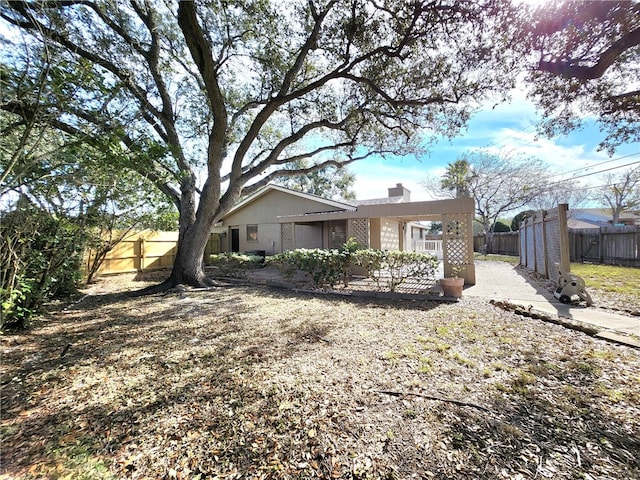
[(264, 213), (374, 233)]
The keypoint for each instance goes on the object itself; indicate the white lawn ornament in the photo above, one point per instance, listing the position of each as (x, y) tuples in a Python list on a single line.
[(571, 288)]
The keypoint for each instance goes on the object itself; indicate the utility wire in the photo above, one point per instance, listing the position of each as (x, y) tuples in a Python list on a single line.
[(595, 173), (596, 164)]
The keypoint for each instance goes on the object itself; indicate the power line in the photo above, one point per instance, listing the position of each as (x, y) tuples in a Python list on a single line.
[(599, 171), (596, 165)]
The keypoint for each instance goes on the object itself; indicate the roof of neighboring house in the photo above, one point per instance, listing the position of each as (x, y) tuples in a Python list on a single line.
[(381, 201), (597, 217), (339, 206), (576, 223)]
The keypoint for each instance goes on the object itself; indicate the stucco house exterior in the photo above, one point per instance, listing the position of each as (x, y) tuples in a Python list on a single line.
[(276, 219)]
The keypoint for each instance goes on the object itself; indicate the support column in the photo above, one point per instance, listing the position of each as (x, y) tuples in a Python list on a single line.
[(457, 246)]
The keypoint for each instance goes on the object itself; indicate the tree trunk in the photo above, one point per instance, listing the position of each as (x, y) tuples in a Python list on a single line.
[(195, 230)]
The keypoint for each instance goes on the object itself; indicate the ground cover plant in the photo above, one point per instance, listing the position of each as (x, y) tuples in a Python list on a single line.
[(249, 382), (610, 278)]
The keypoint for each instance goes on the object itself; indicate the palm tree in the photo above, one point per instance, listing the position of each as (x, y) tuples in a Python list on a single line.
[(457, 178)]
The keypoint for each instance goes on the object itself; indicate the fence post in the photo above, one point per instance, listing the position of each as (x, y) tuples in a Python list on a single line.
[(565, 263), (600, 253), (141, 242)]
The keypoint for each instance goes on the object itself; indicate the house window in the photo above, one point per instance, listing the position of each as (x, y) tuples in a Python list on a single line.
[(252, 233)]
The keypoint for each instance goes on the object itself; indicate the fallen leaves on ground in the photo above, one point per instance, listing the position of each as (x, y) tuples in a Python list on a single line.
[(250, 382)]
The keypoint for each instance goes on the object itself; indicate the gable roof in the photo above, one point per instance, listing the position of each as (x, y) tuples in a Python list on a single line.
[(339, 206)]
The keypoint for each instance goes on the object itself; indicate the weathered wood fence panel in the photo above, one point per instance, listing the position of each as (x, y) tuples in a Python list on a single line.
[(147, 250), (544, 242), (607, 245), (502, 243)]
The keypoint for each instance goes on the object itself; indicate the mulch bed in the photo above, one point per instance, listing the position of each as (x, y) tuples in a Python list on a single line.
[(244, 381)]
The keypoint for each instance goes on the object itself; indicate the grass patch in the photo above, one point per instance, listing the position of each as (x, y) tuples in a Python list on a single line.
[(609, 278), (513, 260)]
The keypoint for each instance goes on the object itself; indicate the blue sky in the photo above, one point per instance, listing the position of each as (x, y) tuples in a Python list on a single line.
[(508, 127)]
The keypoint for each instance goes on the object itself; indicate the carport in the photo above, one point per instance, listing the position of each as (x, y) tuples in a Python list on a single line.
[(381, 226)]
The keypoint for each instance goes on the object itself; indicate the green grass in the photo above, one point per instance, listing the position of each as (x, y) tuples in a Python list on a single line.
[(609, 278), (497, 258)]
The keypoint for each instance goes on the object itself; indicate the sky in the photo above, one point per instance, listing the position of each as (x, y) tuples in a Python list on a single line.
[(507, 128)]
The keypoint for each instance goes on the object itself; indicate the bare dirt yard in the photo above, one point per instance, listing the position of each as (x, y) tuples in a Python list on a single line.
[(252, 382)]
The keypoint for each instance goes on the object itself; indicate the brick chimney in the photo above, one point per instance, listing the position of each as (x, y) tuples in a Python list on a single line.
[(400, 191)]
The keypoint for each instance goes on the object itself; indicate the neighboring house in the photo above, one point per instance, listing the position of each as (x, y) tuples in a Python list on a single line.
[(594, 218), (276, 219)]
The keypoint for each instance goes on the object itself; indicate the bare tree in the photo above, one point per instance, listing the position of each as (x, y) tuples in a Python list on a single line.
[(621, 192), (499, 184)]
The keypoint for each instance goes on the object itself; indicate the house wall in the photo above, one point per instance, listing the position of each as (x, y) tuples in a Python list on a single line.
[(374, 234), (264, 213)]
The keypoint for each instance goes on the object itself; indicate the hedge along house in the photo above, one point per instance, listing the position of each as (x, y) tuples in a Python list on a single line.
[(276, 219)]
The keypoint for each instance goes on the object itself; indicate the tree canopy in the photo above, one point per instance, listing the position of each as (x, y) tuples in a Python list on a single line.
[(587, 65), (215, 99), (328, 182), (621, 192)]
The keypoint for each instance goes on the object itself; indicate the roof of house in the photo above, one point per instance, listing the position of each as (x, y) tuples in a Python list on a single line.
[(339, 206), (594, 218), (381, 201)]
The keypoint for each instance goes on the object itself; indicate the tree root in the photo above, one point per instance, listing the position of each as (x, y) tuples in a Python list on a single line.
[(171, 285), (434, 397)]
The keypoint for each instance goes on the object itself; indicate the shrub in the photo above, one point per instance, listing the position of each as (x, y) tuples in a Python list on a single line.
[(40, 259), (326, 267), (235, 264), (329, 267), (395, 267)]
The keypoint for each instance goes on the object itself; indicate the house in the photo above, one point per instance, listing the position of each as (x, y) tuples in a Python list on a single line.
[(276, 219), (594, 218)]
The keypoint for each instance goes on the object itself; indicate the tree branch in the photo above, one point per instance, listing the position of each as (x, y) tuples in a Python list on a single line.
[(570, 70)]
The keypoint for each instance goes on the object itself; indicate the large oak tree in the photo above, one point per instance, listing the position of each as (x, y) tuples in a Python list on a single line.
[(214, 99)]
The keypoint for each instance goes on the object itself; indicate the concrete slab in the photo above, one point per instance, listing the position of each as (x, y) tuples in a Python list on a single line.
[(503, 282)]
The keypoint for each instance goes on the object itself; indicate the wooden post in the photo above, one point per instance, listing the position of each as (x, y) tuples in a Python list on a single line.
[(565, 264), (141, 242)]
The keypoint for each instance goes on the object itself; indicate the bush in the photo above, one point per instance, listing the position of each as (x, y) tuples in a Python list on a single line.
[(329, 267), (501, 227), (40, 259), (235, 264), (326, 267), (395, 267)]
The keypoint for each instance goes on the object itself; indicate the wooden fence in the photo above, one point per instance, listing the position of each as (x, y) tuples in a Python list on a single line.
[(147, 250), (503, 243), (607, 245)]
